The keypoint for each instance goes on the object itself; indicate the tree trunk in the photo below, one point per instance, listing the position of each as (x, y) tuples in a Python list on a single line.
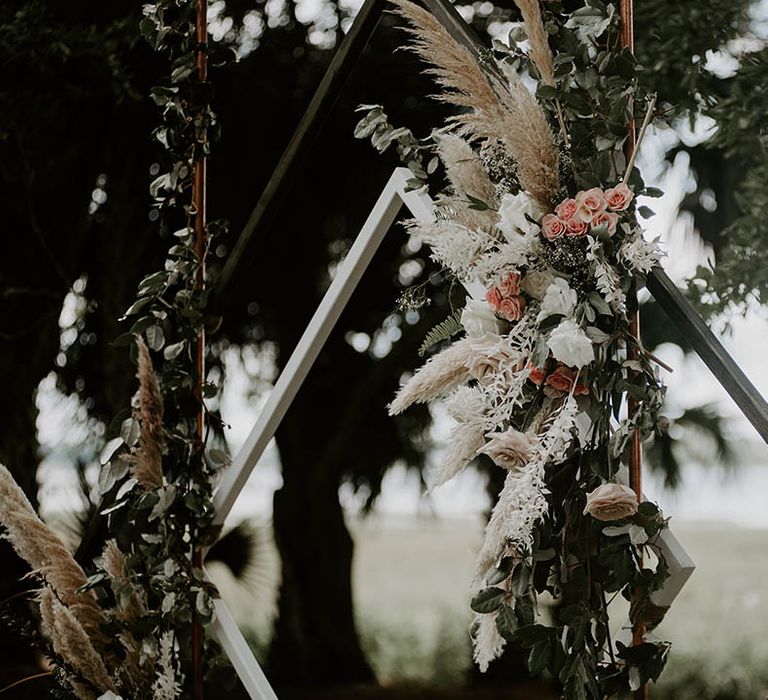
[(315, 640)]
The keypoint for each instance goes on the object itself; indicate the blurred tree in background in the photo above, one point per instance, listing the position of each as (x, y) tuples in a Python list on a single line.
[(76, 155)]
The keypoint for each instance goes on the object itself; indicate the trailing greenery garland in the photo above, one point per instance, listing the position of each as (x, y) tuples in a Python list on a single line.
[(126, 630), (541, 210)]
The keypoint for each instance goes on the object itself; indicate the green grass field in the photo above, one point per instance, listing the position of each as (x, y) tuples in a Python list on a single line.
[(412, 587)]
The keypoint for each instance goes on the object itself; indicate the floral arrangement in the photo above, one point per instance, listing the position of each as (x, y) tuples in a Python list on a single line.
[(540, 213)]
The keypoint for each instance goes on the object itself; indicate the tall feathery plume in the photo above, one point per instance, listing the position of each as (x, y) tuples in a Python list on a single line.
[(501, 109), (48, 556), (540, 52), (73, 644), (146, 460), (467, 406), (537, 38), (439, 374), (130, 607), (528, 138), (467, 177), (487, 642)]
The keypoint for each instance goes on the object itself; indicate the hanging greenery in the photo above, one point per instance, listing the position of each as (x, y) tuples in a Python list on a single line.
[(125, 630), (540, 208)]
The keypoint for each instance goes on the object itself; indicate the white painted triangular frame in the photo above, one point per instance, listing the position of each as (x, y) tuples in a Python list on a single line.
[(379, 221)]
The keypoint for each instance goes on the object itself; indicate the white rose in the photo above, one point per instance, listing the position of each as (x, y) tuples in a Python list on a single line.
[(512, 215), (536, 282), (570, 345), (559, 299), (611, 502), (478, 319)]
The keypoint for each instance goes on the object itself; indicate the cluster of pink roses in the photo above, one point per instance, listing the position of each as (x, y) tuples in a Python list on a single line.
[(505, 299), (560, 380), (588, 210)]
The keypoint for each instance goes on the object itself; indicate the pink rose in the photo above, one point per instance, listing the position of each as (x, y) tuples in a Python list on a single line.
[(590, 203), (562, 380), (607, 219), (611, 502), (512, 308), (619, 197), (510, 285), (536, 375), (552, 227), (566, 209), (493, 297), (576, 227)]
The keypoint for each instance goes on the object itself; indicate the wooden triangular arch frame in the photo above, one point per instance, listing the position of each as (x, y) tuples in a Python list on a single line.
[(394, 195)]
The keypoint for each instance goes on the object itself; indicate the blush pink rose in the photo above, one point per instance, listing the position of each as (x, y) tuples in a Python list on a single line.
[(619, 197), (590, 203), (566, 209), (510, 285), (512, 308), (607, 219), (576, 227), (611, 502), (493, 296), (552, 227)]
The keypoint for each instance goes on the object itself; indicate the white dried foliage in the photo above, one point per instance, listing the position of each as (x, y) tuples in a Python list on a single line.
[(493, 264), (638, 254), (452, 245), (487, 642), (467, 406), (437, 376), (166, 687), (606, 277), (522, 501)]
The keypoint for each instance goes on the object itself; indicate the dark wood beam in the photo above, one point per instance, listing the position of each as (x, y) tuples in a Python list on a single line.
[(710, 350)]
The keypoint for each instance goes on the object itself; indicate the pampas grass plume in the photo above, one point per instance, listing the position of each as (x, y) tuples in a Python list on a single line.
[(48, 556)]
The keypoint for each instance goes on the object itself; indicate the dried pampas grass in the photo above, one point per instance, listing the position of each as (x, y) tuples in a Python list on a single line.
[(502, 108), (442, 372), (73, 644), (467, 177), (48, 556), (146, 460), (540, 52)]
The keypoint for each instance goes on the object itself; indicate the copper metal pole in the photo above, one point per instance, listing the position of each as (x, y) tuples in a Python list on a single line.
[(199, 205), (627, 38)]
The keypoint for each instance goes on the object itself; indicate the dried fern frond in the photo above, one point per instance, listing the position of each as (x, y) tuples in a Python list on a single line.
[(73, 644), (146, 459), (442, 372), (501, 109), (48, 556), (442, 331)]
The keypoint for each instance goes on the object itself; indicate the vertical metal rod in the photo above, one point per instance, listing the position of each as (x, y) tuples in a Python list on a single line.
[(199, 205), (627, 38)]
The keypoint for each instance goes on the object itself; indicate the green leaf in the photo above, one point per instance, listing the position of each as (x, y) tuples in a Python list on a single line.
[(442, 331), (645, 212), (488, 600), (539, 657), (155, 337), (506, 622)]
